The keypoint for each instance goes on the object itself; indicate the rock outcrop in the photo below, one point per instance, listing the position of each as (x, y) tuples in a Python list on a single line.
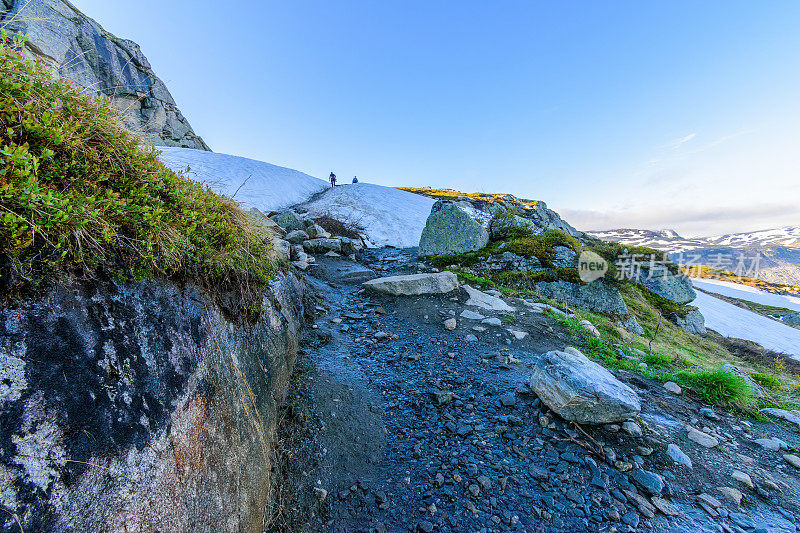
[(693, 322), (466, 224), (580, 390), (139, 407), (669, 285), (77, 48), (595, 296)]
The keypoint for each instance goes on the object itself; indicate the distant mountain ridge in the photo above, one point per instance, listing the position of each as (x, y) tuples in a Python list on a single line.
[(778, 249)]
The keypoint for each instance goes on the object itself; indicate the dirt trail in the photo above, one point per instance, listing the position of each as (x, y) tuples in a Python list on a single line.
[(417, 429)]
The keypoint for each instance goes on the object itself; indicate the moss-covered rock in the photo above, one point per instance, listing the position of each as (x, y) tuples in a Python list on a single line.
[(595, 296), (451, 229)]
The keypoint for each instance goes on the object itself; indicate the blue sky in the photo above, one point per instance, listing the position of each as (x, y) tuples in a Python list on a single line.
[(617, 114)]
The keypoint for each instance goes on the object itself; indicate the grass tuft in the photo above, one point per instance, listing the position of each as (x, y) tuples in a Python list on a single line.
[(718, 387)]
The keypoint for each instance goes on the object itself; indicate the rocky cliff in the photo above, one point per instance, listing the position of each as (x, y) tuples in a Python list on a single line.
[(79, 49), (138, 407)]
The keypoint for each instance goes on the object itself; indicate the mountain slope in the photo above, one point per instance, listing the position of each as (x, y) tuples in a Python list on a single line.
[(78, 48)]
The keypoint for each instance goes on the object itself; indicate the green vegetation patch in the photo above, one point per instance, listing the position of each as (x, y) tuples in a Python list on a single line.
[(541, 246), (718, 387), (766, 380), (79, 194)]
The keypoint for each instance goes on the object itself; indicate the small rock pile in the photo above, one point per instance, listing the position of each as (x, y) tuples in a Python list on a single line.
[(298, 239)]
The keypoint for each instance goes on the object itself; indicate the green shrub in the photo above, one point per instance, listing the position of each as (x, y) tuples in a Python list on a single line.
[(478, 281), (717, 386), (466, 259), (766, 380), (79, 194)]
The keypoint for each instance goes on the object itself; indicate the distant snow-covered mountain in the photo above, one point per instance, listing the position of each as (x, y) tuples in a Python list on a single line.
[(669, 240), (786, 236), (777, 251)]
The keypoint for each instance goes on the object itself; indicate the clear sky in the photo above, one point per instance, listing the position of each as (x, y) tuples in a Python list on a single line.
[(617, 114)]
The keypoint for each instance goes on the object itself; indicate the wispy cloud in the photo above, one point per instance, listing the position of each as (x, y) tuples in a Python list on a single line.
[(717, 142), (677, 143)]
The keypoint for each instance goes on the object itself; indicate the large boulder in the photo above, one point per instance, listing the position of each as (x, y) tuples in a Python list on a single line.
[(414, 284), (526, 216), (595, 296), (580, 390), (452, 228), (77, 48), (296, 236)]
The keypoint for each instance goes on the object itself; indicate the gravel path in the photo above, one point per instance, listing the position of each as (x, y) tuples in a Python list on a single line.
[(419, 430)]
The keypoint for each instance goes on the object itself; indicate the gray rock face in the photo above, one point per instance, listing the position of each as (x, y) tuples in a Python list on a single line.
[(452, 228), (565, 257), (139, 407), (632, 325), (504, 226), (323, 245), (661, 281), (595, 296), (414, 284), (693, 322), (296, 236), (289, 221), (77, 48), (789, 416), (582, 391)]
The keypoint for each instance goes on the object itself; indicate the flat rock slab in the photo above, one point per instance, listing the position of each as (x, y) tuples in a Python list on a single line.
[(414, 284), (582, 391), (481, 299), (471, 315), (703, 439), (789, 416)]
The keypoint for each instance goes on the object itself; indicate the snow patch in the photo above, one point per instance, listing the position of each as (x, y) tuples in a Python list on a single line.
[(732, 321), (745, 292), (251, 183), (390, 217)]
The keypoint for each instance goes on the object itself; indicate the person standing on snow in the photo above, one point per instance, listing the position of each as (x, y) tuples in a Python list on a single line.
[(332, 177), (355, 179)]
